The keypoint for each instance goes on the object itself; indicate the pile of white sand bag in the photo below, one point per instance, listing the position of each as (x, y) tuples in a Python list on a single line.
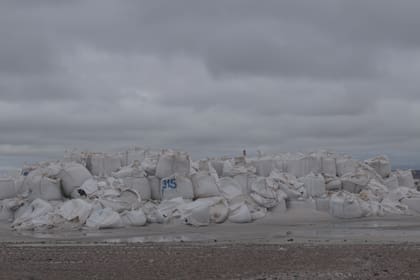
[(140, 186)]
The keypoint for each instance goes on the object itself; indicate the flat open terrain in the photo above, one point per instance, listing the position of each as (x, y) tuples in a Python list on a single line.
[(198, 261), (295, 246)]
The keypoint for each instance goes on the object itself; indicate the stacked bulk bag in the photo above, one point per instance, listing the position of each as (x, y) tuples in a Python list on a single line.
[(196, 214), (392, 182), (230, 190), (228, 169), (300, 166), (240, 213), (279, 163), (119, 201), (266, 193), (204, 211), (333, 183), (381, 164), (164, 212), (104, 218), (139, 184), (72, 176), (132, 155), (346, 165), (405, 178), (168, 187), (245, 181), (171, 162), (371, 198), (392, 207), (19, 184), (75, 156), (6, 211), (237, 166), (412, 202), (245, 212), (205, 185), (345, 205), (314, 184), (135, 218), (176, 186), (149, 164), (103, 164), (406, 196), (43, 187), (90, 187), (355, 182), (111, 163), (203, 165), (289, 184), (218, 166), (329, 166), (133, 170), (7, 188), (136, 179), (42, 182), (94, 164), (263, 166), (34, 215), (75, 210), (50, 169), (378, 190), (219, 209), (295, 166)]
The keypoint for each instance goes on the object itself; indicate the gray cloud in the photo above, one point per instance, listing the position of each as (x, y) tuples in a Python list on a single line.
[(210, 77)]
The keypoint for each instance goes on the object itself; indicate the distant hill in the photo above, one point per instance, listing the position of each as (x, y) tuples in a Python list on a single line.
[(416, 174)]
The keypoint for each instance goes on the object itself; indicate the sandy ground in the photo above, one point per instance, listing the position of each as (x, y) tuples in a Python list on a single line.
[(300, 245)]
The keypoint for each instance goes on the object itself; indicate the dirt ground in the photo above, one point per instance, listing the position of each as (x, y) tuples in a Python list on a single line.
[(298, 246), (210, 261)]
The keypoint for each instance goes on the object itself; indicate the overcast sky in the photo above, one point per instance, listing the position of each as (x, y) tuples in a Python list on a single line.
[(210, 77)]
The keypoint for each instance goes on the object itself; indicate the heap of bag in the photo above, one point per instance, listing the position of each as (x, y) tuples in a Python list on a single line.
[(97, 190)]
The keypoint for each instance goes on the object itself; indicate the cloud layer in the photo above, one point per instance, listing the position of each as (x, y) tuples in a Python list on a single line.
[(210, 77)]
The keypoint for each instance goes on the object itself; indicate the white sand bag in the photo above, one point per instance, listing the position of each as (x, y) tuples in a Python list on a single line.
[(240, 213), (329, 166), (230, 189), (381, 164), (104, 218), (141, 185), (345, 165), (314, 184), (204, 185), (103, 164), (7, 188), (171, 162), (355, 182), (6, 213), (135, 218), (345, 205), (73, 176), (36, 209), (391, 182), (176, 186), (43, 187), (405, 178), (75, 210), (264, 166)]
